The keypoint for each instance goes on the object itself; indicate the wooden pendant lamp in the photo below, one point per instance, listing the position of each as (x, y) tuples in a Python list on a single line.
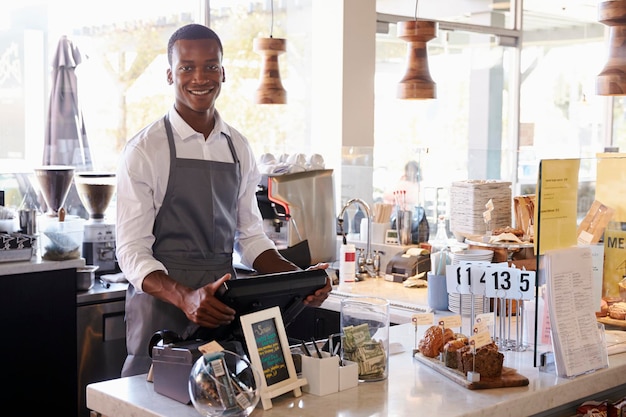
[(417, 83), (612, 79), (270, 90)]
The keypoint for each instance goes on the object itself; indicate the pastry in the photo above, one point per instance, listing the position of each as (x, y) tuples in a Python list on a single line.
[(487, 361), (604, 309), (505, 237), (450, 349), (434, 338), (618, 311), (519, 233)]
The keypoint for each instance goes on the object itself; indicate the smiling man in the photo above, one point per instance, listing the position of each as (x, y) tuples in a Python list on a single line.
[(186, 198)]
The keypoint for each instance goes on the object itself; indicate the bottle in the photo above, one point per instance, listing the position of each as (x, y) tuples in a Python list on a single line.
[(440, 241), (343, 227), (356, 221), (347, 265)]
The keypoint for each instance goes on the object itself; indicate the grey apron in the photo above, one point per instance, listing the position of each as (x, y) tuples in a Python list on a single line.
[(194, 231)]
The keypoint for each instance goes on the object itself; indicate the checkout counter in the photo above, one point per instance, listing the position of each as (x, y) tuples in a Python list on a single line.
[(410, 388)]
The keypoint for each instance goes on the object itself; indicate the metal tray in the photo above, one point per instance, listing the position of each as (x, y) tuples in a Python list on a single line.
[(16, 255)]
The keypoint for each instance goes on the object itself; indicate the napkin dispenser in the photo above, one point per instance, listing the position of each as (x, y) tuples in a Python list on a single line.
[(171, 366), (407, 264)]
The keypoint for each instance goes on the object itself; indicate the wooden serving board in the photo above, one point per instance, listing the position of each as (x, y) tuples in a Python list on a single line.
[(612, 322), (509, 377)]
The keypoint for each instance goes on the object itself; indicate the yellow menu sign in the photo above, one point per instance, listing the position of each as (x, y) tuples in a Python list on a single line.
[(614, 261), (611, 183), (557, 197)]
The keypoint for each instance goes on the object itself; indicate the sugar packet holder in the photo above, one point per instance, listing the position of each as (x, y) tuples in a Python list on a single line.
[(325, 375)]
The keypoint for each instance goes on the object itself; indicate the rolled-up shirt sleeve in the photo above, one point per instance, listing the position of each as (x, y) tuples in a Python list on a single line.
[(250, 239)]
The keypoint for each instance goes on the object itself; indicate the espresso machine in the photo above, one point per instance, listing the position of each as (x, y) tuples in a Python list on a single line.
[(298, 211), (96, 190)]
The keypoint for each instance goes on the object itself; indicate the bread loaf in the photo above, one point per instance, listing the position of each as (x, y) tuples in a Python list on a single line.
[(450, 351), (435, 337), (618, 311), (488, 360)]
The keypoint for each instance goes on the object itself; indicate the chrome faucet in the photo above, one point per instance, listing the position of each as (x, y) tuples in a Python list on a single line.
[(368, 267)]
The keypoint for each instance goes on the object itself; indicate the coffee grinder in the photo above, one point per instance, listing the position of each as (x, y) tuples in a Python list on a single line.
[(95, 191)]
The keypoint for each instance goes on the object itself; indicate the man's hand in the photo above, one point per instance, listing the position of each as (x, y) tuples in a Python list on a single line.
[(316, 300), (200, 306), (203, 308)]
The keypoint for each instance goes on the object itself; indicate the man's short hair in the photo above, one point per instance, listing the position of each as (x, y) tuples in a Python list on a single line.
[(191, 32)]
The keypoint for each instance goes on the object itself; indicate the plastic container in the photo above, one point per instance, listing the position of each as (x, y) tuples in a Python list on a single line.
[(365, 336), (60, 241)]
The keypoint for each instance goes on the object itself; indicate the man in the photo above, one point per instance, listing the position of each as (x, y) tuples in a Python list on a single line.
[(186, 198)]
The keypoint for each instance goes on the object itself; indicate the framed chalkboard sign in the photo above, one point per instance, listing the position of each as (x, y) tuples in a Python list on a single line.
[(269, 352)]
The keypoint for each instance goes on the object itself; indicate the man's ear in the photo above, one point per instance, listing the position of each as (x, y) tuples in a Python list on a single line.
[(170, 80), (223, 75)]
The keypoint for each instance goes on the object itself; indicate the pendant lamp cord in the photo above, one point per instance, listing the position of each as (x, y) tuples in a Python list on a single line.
[(272, 25), (416, 1)]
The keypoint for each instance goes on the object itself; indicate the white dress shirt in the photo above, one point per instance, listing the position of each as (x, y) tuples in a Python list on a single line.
[(142, 178)]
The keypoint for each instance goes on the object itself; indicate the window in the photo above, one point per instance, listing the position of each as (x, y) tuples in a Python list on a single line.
[(470, 131), (121, 81), (499, 108)]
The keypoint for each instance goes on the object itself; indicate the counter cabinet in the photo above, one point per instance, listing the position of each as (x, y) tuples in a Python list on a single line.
[(38, 310)]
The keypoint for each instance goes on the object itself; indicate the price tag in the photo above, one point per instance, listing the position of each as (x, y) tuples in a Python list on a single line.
[(210, 347), (486, 318), (481, 326), (480, 339), (450, 321), (423, 319)]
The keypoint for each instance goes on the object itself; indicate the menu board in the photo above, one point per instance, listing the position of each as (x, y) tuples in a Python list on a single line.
[(270, 355), (611, 183), (555, 218), (270, 351), (578, 342)]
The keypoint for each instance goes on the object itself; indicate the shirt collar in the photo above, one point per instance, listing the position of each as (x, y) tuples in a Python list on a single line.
[(186, 132)]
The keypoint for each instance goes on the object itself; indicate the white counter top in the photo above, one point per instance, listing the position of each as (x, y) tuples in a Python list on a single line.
[(412, 388), (404, 302), (36, 264)]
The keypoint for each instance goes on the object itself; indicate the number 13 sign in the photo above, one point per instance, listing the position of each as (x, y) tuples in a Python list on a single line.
[(491, 280)]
